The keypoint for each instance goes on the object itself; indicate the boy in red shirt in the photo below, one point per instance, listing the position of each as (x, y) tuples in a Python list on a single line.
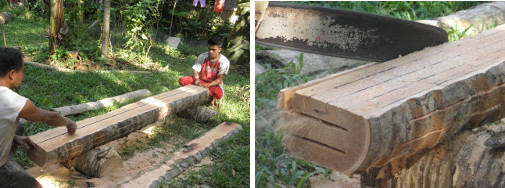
[(209, 70)]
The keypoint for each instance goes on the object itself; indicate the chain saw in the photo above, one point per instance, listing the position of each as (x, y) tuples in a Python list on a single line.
[(341, 33)]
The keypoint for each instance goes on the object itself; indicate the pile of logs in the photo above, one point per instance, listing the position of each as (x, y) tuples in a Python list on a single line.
[(391, 121)]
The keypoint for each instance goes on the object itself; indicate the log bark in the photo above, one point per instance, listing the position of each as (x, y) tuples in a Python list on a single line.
[(56, 20), (192, 153), (55, 145), (80, 108), (99, 162), (199, 113), (6, 17), (402, 106), (473, 158), (70, 70)]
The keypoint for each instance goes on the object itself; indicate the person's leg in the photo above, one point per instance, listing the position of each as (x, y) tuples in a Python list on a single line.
[(216, 93), (186, 80), (13, 175)]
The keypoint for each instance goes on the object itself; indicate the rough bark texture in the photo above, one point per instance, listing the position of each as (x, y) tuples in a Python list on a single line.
[(105, 30), (55, 145), (473, 158), (402, 106), (99, 162), (56, 20), (199, 113), (472, 20), (80, 108), (194, 151), (70, 70), (6, 17)]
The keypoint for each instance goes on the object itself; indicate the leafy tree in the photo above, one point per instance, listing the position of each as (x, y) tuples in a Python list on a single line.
[(238, 41)]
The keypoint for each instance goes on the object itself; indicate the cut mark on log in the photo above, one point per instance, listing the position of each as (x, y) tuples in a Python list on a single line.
[(319, 143), (326, 123), (460, 102), (148, 101)]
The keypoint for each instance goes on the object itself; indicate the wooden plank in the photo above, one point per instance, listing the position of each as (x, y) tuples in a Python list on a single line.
[(410, 103), (183, 158), (55, 145)]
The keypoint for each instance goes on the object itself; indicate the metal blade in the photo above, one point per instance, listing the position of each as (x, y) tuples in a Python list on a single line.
[(343, 33)]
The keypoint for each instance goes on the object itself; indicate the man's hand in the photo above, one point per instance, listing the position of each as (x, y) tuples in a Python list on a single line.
[(197, 82), (71, 126), (25, 142), (205, 86)]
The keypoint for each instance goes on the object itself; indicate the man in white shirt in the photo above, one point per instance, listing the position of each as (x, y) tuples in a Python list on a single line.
[(12, 108)]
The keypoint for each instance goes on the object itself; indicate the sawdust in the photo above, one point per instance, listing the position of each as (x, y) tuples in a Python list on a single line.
[(313, 28), (335, 180), (58, 176)]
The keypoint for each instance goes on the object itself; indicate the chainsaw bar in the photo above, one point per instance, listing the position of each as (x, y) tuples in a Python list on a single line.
[(343, 33)]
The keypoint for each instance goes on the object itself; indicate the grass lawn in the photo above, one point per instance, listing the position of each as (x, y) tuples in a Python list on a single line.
[(275, 167), (49, 89)]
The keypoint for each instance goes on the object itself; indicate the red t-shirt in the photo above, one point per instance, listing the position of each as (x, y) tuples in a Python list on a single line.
[(209, 70)]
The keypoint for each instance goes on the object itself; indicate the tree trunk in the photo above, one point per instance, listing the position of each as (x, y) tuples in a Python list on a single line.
[(473, 158), (56, 20), (199, 113), (105, 33), (6, 17), (99, 162), (399, 107), (55, 145), (81, 11)]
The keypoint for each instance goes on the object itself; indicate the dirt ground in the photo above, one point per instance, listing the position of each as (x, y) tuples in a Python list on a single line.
[(335, 180), (59, 176)]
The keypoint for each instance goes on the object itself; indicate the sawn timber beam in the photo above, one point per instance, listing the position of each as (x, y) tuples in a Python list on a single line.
[(56, 145), (372, 115)]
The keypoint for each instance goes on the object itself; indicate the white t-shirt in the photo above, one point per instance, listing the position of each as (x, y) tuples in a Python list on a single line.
[(223, 66), (11, 105)]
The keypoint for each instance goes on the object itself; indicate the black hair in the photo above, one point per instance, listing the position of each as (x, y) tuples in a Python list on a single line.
[(10, 59), (215, 40)]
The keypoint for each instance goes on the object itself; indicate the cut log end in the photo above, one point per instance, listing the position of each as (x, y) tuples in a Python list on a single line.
[(99, 162), (324, 143)]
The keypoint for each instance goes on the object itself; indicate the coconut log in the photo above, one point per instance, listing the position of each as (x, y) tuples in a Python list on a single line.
[(100, 162), (6, 17), (473, 158), (198, 113), (80, 108), (56, 145), (372, 116)]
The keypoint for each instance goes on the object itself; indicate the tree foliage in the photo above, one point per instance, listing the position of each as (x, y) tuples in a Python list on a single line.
[(238, 41)]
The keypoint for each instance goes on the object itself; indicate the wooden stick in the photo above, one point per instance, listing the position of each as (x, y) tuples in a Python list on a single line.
[(69, 70)]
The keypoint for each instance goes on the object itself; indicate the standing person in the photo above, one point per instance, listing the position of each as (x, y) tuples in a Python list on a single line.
[(209, 70), (13, 107)]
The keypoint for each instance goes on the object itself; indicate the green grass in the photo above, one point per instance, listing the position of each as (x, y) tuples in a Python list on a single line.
[(49, 89), (275, 167), (408, 10)]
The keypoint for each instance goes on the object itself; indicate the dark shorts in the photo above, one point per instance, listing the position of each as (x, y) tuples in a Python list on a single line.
[(13, 175)]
